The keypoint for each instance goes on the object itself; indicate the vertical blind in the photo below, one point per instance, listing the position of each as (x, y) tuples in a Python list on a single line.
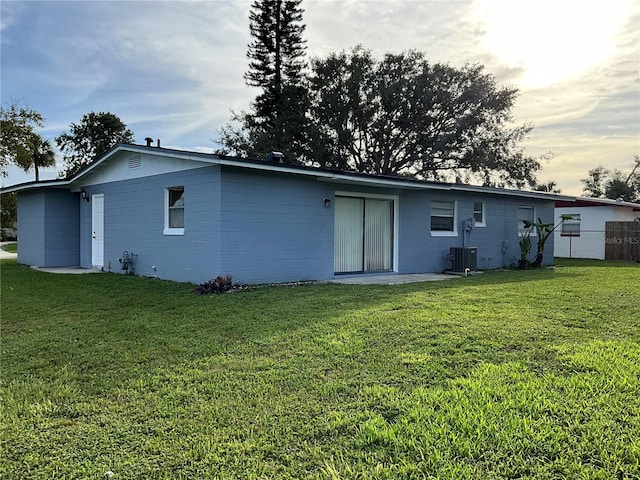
[(363, 234)]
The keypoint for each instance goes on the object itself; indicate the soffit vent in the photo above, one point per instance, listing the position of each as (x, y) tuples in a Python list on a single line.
[(135, 161)]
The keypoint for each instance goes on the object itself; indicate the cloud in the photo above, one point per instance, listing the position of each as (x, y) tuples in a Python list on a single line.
[(174, 69)]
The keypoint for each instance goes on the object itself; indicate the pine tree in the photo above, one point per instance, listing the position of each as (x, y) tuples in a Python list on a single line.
[(276, 55), (276, 66)]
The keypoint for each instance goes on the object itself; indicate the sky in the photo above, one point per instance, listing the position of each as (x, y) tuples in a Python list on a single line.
[(173, 69)]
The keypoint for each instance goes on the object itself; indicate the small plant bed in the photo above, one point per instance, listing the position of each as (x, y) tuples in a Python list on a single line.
[(530, 374), (225, 284)]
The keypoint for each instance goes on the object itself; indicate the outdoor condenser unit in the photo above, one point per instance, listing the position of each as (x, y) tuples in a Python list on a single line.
[(463, 258)]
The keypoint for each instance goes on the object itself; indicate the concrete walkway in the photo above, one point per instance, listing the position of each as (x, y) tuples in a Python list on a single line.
[(73, 270), (5, 255), (392, 279)]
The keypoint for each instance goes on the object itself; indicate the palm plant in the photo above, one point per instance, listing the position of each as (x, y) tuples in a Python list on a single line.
[(544, 231), (42, 154)]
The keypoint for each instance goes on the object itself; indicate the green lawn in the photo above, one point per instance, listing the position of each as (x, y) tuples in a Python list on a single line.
[(10, 247), (514, 374)]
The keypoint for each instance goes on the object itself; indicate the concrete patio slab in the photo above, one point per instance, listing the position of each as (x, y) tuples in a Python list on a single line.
[(67, 270)]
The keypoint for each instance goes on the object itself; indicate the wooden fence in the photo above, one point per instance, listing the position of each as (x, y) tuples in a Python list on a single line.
[(622, 241)]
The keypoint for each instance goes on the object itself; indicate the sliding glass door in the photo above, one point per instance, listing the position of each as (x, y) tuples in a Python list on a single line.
[(363, 234)]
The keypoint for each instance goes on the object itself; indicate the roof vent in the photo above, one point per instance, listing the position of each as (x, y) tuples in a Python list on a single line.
[(135, 161), (149, 141), (277, 157)]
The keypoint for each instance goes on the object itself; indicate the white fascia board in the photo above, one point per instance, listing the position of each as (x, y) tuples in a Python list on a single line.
[(331, 177), (609, 202), (269, 167), (513, 193), (144, 150), (379, 182), (23, 187)]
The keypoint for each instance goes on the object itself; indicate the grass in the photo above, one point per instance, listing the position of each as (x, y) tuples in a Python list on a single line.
[(531, 375), (10, 247)]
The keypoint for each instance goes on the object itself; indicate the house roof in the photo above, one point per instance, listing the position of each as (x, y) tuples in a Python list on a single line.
[(322, 174), (598, 202)]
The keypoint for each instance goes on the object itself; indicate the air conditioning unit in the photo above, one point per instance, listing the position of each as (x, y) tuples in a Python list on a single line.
[(463, 258)]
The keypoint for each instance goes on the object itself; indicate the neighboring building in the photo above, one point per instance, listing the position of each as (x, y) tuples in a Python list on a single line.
[(190, 217), (584, 235)]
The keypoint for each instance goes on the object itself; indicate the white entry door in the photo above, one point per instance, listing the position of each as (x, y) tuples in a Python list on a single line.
[(363, 234), (97, 229)]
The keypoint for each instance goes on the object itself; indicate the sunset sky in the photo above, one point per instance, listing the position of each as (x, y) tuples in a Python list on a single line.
[(173, 69)]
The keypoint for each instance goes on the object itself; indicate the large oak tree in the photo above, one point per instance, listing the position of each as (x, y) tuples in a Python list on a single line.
[(405, 116)]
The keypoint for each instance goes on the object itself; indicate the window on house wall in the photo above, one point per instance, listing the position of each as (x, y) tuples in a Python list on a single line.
[(443, 217), (571, 227), (528, 214), (174, 211), (479, 214)]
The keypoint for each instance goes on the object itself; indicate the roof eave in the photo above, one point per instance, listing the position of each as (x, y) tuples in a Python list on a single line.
[(23, 187)]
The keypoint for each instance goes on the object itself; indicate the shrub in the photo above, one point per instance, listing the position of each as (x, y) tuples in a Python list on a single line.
[(217, 285)]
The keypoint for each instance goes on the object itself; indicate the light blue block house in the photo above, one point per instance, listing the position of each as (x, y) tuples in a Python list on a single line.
[(190, 216)]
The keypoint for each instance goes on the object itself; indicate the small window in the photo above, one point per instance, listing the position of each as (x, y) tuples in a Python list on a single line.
[(443, 219), (174, 211), (478, 214), (525, 214), (571, 226)]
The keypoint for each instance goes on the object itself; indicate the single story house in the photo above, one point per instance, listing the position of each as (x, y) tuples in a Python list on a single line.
[(584, 235), (190, 216)]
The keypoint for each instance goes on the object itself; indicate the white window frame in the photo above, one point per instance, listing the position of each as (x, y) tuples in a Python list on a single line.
[(445, 233), (483, 222), (521, 229), (167, 229), (396, 216)]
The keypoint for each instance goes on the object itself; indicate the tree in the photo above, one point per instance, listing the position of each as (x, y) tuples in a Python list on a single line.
[(593, 184), (603, 183), (8, 213), (95, 134), (276, 66), (41, 154), (18, 124), (543, 232), (404, 116), (551, 186)]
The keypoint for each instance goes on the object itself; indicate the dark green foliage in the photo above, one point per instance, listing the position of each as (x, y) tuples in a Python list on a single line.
[(551, 187), (276, 55), (278, 118), (543, 232), (405, 116), (525, 248), (95, 134), (19, 142), (604, 183), (397, 116), (41, 154), (9, 214), (219, 284)]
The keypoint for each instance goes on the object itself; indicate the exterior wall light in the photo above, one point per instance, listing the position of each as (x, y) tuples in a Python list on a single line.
[(84, 195), (327, 202)]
